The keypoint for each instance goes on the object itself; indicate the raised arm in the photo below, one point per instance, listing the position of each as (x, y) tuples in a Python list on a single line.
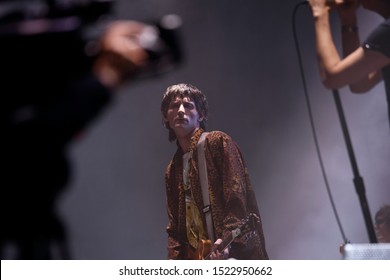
[(360, 68)]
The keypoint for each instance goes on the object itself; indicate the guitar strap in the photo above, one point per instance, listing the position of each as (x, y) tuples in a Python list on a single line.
[(205, 185)]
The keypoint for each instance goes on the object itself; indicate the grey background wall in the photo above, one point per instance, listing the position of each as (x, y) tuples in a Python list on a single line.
[(242, 55)]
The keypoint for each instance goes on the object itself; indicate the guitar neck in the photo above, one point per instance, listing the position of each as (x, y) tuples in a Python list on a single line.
[(245, 227)]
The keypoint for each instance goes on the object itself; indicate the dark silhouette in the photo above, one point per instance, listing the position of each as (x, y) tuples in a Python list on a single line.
[(54, 82)]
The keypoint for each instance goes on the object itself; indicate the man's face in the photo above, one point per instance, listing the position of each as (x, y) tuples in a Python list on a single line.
[(382, 232), (183, 117)]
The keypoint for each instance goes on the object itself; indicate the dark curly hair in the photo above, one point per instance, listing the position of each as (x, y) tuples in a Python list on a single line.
[(383, 216), (184, 90)]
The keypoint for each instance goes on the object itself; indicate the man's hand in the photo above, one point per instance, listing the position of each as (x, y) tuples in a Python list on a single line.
[(217, 255)]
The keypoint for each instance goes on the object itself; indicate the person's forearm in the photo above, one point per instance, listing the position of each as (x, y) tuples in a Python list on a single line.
[(327, 53)]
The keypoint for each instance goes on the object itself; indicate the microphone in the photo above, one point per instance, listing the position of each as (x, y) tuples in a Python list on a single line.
[(332, 2), (327, 1)]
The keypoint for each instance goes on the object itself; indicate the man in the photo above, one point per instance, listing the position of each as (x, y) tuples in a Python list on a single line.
[(364, 64), (232, 199)]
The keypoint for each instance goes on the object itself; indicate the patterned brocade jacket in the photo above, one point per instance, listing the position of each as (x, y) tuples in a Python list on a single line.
[(231, 197)]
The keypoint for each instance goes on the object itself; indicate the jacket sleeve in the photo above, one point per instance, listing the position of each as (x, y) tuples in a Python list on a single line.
[(238, 198), (174, 245)]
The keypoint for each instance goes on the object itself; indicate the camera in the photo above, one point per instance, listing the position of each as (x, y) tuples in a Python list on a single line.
[(44, 33)]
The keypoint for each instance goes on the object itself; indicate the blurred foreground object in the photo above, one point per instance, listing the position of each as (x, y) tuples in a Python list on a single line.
[(369, 251), (54, 31), (60, 64)]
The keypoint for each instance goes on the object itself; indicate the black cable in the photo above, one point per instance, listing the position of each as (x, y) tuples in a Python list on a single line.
[(307, 98)]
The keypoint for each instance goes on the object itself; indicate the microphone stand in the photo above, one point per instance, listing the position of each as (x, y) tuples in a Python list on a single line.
[(357, 180)]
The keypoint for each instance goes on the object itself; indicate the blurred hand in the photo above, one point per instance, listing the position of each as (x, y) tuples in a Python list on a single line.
[(343, 6), (120, 54), (319, 7)]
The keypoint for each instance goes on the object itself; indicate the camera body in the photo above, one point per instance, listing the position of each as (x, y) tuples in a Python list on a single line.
[(56, 37)]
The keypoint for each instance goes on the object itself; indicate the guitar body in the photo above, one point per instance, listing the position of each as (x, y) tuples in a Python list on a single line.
[(206, 248), (203, 250)]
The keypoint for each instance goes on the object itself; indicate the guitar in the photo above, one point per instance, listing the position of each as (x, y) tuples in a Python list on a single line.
[(206, 248)]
